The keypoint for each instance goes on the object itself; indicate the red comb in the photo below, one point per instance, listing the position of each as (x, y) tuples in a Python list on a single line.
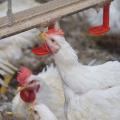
[(53, 30), (23, 74)]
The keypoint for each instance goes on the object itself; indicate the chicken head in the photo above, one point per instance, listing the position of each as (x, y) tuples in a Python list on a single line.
[(51, 44), (28, 88)]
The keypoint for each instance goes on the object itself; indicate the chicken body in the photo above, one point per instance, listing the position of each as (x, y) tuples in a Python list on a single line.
[(22, 40), (44, 113), (39, 112), (16, 49), (80, 80), (50, 93), (19, 107), (94, 105), (12, 48)]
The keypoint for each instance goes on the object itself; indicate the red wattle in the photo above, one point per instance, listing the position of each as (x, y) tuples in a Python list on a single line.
[(28, 95), (42, 50)]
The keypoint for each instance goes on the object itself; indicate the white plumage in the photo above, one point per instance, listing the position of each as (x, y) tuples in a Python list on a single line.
[(12, 47), (11, 53), (82, 78), (50, 94), (17, 49), (39, 112), (44, 112), (19, 107), (22, 40), (79, 79), (94, 105)]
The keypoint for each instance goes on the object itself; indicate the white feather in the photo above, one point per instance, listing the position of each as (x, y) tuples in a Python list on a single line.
[(82, 78), (44, 112), (11, 47), (50, 94), (53, 97), (11, 53), (21, 109), (94, 105), (79, 79), (23, 40)]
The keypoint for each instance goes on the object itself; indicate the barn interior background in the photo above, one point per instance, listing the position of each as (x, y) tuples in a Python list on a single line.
[(90, 50)]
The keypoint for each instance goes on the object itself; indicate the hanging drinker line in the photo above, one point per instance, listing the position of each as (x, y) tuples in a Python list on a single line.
[(101, 30)]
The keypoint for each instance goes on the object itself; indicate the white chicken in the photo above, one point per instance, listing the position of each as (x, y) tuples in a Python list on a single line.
[(12, 49), (77, 78), (80, 78), (16, 49), (43, 113), (23, 110), (22, 103), (54, 96), (50, 94), (23, 40), (11, 53), (94, 105)]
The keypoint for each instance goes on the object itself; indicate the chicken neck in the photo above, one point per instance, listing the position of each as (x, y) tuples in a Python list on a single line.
[(66, 57)]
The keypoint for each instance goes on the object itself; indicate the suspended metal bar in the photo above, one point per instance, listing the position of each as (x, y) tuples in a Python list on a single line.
[(9, 12), (42, 14)]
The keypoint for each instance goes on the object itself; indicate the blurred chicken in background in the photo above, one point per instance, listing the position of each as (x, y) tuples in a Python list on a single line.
[(16, 49)]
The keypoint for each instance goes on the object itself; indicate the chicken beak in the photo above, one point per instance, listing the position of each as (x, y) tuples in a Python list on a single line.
[(44, 48)]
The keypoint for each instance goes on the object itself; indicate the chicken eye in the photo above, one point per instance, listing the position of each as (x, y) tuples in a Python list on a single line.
[(35, 111), (52, 40), (31, 82)]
